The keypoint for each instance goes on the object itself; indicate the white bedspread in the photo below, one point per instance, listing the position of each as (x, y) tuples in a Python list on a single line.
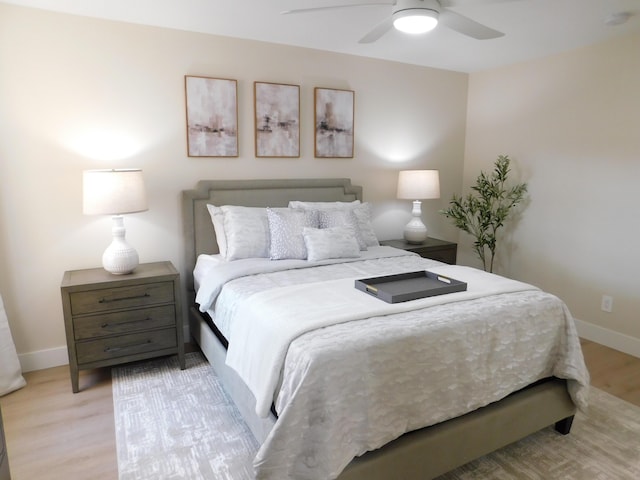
[(267, 322), (352, 387)]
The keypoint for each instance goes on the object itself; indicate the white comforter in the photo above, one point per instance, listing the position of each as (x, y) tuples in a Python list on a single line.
[(352, 387), (267, 322)]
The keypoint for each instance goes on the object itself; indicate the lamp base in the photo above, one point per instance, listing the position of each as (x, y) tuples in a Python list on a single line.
[(415, 231), (119, 258)]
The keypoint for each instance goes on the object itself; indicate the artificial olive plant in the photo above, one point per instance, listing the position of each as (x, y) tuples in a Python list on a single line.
[(482, 212)]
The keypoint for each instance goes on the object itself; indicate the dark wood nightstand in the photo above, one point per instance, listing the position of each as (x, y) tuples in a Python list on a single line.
[(432, 248), (113, 319)]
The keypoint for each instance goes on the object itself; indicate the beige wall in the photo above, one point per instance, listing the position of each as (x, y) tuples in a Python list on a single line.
[(78, 93), (571, 123)]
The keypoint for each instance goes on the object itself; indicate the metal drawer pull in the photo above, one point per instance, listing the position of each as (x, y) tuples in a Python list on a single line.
[(117, 349), (139, 320), (109, 300)]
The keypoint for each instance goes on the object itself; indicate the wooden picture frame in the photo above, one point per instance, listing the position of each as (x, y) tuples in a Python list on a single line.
[(276, 119), (212, 116), (333, 125)]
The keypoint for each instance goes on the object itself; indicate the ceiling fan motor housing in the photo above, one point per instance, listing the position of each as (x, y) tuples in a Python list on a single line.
[(415, 16), (418, 5)]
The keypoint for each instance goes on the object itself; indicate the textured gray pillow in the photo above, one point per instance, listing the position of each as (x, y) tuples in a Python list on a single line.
[(285, 228), (362, 212), (333, 242), (342, 218)]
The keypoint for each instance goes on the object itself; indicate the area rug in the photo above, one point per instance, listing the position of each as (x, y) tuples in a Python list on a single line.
[(180, 424)]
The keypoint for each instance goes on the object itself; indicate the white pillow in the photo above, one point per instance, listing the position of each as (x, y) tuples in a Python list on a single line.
[(334, 242), (341, 218), (362, 212), (217, 218), (247, 232), (285, 227)]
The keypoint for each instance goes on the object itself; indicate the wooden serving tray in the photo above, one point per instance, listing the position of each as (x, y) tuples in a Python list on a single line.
[(403, 287)]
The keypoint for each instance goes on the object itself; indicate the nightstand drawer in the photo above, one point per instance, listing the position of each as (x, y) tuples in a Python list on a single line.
[(445, 255), (125, 345), (103, 300), (124, 322)]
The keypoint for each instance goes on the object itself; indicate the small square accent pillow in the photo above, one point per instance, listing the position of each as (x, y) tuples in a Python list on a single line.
[(333, 242), (285, 227)]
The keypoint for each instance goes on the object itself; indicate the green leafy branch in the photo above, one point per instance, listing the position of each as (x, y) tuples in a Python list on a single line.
[(482, 213)]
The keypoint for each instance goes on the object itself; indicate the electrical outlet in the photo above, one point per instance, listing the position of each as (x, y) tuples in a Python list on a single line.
[(606, 305)]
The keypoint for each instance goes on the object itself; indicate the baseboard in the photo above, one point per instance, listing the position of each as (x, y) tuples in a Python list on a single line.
[(609, 338), (55, 357), (52, 357)]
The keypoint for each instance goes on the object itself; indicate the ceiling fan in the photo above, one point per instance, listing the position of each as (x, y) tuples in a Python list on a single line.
[(416, 16)]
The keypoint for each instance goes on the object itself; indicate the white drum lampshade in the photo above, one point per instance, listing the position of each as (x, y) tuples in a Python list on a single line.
[(417, 185), (115, 192)]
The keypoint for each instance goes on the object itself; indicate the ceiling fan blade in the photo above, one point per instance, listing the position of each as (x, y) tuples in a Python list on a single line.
[(378, 31), (333, 7), (466, 26), (460, 3)]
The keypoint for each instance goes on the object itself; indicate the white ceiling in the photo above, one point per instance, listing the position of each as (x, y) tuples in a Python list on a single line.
[(533, 28)]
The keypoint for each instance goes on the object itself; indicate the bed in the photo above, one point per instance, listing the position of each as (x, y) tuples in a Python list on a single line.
[(388, 440)]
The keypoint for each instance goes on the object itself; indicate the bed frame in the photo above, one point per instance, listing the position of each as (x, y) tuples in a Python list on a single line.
[(418, 455)]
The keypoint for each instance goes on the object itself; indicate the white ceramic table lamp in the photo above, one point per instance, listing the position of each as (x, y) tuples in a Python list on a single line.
[(115, 192), (417, 185)]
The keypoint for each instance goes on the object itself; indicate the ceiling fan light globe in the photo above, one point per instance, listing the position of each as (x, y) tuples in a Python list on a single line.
[(415, 21)]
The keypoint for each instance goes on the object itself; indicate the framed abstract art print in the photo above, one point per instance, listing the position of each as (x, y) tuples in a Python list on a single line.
[(333, 111), (212, 117)]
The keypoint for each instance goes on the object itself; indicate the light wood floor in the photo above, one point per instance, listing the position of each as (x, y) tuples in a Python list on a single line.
[(54, 434)]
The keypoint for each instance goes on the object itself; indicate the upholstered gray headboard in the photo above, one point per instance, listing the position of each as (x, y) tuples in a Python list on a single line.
[(199, 234)]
